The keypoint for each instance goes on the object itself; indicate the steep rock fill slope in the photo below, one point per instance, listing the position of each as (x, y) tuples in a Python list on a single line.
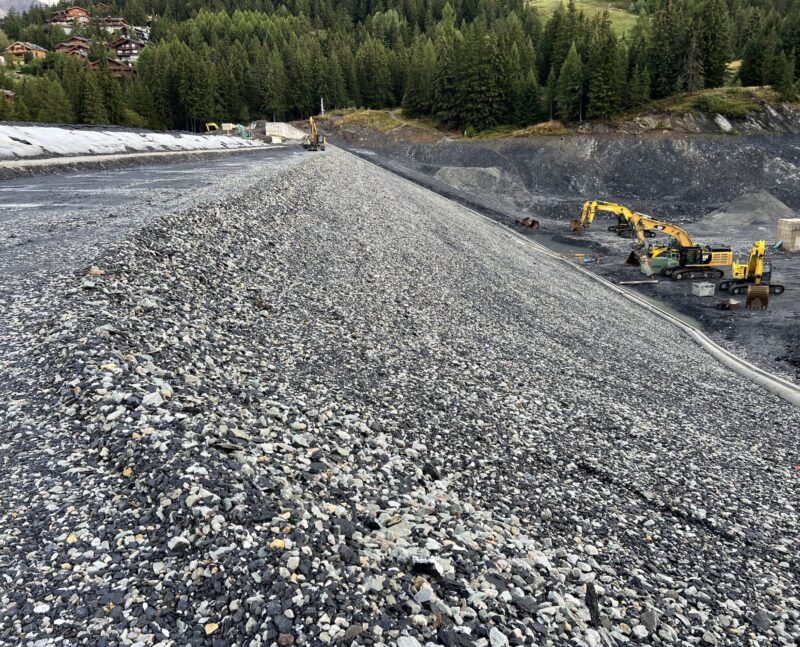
[(341, 409)]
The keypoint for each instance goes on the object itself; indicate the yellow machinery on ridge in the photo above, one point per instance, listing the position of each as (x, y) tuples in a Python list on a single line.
[(685, 259), (316, 140), (756, 271), (590, 209)]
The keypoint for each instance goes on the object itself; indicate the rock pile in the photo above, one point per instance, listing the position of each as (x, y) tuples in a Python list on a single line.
[(339, 409)]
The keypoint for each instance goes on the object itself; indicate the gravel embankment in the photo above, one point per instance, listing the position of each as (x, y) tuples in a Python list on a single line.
[(342, 409)]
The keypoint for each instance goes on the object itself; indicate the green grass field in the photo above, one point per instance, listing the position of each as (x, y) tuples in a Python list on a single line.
[(622, 20)]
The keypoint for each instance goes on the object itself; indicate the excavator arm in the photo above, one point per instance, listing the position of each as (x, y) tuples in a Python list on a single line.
[(590, 209)]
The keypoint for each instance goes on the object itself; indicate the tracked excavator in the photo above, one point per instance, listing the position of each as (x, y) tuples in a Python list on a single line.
[(756, 271), (316, 140), (683, 258), (590, 209)]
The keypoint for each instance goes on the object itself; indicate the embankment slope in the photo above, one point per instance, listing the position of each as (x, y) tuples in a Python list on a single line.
[(341, 407)]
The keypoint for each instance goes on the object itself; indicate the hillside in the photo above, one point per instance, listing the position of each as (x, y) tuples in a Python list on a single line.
[(469, 66)]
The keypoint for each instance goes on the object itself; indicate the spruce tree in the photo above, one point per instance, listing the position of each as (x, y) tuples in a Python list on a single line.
[(714, 41), (784, 77), (668, 49), (639, 87), (694, 79), (750, 72), (530, 109), (569, 89), (94, 108), (56, 107), (275, 87), (550, 94), (605, 91)]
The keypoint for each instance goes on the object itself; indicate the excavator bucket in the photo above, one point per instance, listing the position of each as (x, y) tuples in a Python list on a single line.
[(633, 259), (758, 294), (576, 226)]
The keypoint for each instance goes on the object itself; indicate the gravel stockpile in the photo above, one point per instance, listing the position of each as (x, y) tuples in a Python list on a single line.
[(340, 409)]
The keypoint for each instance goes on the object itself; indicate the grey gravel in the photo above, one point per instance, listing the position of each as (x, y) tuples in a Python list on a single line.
[(224, 440)]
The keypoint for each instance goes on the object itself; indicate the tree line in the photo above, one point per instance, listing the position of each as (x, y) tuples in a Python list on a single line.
[(468, 64)]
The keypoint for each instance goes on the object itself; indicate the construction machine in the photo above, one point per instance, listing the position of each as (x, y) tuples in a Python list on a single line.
[(683, 258), (590, 209), (756, 271), (316, 140)]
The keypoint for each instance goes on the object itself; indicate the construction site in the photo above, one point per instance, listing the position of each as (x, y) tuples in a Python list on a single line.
[(727, 193), (339, 387)]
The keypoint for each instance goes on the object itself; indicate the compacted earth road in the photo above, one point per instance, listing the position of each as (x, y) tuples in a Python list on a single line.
[(318, 404)]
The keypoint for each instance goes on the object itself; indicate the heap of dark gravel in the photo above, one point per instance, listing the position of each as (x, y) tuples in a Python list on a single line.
[(340, 409)]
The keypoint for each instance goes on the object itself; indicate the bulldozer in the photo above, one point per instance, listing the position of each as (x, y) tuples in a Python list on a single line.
[(316, 140), (682, 258), (755, 272), (590, 209)]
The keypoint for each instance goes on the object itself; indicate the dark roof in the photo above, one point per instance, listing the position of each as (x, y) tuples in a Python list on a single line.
[(28, 45)]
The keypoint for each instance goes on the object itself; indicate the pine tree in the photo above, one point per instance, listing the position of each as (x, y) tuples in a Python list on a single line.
[(274, 105), (694, 79), (784, 77), (530, 109), (374, 76), (94, 109), (418, 96), (668, 49), (605, 90), (56, 107), (714, 41), (751, 70), (569, 89), (445, 99), (639, 92), (550, 94)]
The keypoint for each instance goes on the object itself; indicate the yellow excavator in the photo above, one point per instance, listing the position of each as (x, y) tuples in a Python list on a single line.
[(590, 209), (756, 271), (683, 258), (316, 140)]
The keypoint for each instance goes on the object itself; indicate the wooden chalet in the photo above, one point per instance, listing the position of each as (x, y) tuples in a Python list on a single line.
[(126, 49), (102, 6), (69, 17), (118, 69), (20, 48), (115, 23), (7, 95), (76, 46)]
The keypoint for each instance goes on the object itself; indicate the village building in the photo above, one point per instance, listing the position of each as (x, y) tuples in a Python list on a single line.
[(126, 49), (118, 69), (19, 49), (8, 95), (115, 23), (68, 18), (77, 46)]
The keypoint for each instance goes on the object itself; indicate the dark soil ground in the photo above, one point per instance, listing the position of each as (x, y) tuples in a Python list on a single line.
[(677, 178)]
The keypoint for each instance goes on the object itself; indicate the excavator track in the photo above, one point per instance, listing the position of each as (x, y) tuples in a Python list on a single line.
[(741, 288), (682, 274)]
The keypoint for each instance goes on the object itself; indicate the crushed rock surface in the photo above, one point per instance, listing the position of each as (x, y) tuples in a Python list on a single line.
[(341, 409)]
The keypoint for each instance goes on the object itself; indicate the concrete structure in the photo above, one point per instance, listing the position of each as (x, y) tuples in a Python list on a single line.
[(277, 129), (789, 233), (703, 289)]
